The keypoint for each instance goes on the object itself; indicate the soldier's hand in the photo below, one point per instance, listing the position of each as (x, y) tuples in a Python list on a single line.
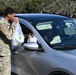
[(15, 20)]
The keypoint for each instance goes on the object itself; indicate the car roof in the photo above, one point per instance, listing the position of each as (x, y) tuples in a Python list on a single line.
[(36, 16)]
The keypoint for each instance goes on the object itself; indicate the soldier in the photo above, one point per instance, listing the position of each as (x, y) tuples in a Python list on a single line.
[(6, 31)]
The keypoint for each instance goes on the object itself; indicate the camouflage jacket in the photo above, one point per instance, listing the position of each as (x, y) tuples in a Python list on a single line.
[(5, 37)]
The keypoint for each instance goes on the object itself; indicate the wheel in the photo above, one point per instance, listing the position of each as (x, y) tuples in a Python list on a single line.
[(58, 73)]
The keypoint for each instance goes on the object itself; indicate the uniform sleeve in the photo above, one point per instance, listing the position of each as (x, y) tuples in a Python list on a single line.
[(13, 26), (0, 23), (11, 30), (4, 30)]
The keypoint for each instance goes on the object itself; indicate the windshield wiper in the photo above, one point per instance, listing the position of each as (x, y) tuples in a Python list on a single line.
[(64, 47)]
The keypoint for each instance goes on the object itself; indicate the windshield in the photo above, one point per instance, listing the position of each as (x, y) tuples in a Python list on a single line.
[(59, 33)]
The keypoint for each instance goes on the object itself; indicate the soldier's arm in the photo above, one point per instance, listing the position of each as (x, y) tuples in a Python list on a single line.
[(13, 26), (15, 20), (0, 27), (3, 29)]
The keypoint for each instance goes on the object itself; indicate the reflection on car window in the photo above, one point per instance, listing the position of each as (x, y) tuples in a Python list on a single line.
[(44, 26), (58, 32), (69, 29), (49, 34), (56, 40)]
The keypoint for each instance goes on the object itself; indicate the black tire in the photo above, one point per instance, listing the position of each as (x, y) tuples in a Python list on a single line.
[(58, 73), (13, 73)]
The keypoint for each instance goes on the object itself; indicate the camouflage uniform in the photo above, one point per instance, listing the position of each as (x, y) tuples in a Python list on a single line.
[(5, 44)]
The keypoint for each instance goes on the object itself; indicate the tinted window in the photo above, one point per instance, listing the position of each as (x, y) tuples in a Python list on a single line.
[(58, 33)]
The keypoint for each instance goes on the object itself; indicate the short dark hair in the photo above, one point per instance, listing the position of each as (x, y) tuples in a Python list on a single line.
[(8, 10)]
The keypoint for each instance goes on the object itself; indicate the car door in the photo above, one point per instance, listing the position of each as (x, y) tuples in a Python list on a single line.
[(28, 62)]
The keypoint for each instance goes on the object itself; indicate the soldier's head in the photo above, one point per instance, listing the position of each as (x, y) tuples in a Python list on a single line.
[(10, 13)]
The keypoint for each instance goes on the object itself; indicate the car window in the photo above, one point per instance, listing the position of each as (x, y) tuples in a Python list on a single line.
[(58, 32), (29, 35)]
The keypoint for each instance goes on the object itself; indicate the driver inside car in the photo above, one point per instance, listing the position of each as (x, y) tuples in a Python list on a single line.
[(52, 37)]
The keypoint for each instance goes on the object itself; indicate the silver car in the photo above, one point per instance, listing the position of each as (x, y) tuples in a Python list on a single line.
[(54, 53)]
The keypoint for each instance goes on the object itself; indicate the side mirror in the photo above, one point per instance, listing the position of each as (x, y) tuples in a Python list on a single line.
[(32, 46)]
